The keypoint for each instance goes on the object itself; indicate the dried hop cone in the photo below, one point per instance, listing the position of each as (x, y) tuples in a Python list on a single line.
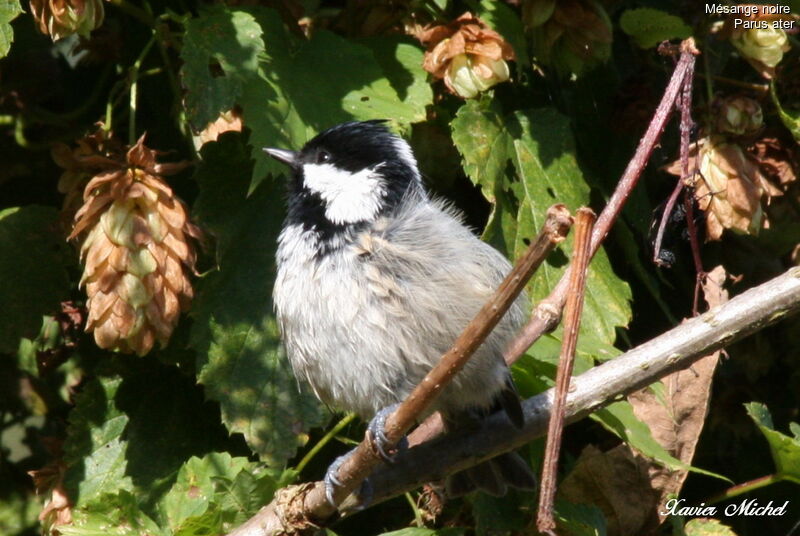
[(92, 153), (62, 18), (136, 253), (762, 47), (729, 188), (470, 57), (738, 115)]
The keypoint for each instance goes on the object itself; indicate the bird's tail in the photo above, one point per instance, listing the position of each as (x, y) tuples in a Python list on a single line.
[(493, 476)]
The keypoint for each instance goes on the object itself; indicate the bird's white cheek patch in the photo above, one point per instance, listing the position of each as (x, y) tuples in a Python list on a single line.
[(349, 197)]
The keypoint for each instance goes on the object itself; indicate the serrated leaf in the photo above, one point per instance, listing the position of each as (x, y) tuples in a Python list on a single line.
[(400, 59), (240, 358), (349, 80), (524, 162), (33, 278), (240, 498), (205, 524), (94, 450), (193, 490), (232, 44), (785, 449), (649, 27), (111, 515), (9, 9)]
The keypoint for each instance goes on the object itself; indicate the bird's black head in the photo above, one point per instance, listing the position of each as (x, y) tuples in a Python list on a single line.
[(349, 175)]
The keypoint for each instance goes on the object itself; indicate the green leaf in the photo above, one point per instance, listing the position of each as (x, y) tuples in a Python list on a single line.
[(535, 371), (111, 515), (33, 279), (206, 524), (424, 531), (193, 490), (707, 527), (349, 80), (94, 450), (499, 515), (785, 449), (9, 9), (795, 429), (240, 498), (502, 19), (210, 43), (649, 27), (620, 419), (524, 162), (400, 59), (580, 519), (137, 408), (240, 358), (790, 120), (19, 511)]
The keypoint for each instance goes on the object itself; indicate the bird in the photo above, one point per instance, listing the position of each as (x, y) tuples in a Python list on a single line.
[(376, 279)]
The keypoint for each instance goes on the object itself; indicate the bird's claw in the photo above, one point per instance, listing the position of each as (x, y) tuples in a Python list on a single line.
[(376, 429), (332, 482)]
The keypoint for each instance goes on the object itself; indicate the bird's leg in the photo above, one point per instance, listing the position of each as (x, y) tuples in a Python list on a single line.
[(377, 435), (332, 481), (376, 429)]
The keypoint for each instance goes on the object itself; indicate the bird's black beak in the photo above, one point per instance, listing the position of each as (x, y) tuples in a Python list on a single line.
[(282, 155)]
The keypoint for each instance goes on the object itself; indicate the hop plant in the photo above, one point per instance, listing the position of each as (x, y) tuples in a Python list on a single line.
[(763, 48), (729, 188), (467, 55), (738, 115), (136, 251), (62, 18)]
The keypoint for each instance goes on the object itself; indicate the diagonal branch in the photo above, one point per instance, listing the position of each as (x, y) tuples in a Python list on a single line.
[(674, 350)]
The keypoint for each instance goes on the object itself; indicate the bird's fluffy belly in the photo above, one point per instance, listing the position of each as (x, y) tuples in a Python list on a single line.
[(372, 354)]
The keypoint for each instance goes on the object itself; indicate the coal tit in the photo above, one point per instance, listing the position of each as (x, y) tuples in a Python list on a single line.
[(376, 280)]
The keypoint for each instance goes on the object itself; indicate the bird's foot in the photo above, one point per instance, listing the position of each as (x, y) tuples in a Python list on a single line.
[(377, 433), (332, 482)]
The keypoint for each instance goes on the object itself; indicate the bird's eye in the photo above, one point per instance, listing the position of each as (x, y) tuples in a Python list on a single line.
[(323, 157)]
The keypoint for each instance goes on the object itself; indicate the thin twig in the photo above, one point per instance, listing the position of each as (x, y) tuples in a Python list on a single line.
[(686, 126), (358, 466), (546, 315), (662, 225), (584, 221)]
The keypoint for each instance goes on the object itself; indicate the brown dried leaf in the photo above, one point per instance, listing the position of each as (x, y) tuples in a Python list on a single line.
[(677, 419), (618, 483)]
